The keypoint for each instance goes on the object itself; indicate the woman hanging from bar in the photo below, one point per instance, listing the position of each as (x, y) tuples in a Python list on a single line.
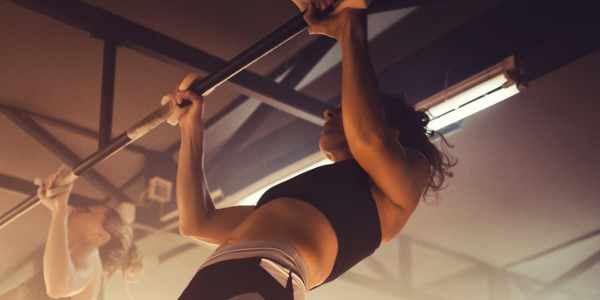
[(83, 245), (312, 228)]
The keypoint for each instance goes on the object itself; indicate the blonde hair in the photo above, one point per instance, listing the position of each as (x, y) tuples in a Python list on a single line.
[(120, 253)]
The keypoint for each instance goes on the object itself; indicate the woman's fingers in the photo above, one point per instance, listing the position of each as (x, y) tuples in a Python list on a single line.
[(189, 95), (41, 191), (310, 18)]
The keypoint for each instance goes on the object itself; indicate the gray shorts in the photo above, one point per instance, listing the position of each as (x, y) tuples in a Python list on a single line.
[(256, 270)]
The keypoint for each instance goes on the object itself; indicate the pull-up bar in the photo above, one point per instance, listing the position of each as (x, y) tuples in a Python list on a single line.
[(237, 64)]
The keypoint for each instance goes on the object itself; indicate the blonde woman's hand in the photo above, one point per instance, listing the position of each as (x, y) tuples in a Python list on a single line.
[(57, 203)]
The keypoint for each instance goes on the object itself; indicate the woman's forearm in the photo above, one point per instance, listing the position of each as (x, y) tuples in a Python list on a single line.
[(193, 198), (363, 114), (59, 269)]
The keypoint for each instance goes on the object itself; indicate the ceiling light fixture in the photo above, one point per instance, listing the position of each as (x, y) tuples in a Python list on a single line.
[(473, 94)]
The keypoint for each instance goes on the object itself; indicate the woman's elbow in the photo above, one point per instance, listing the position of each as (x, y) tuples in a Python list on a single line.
[(57, 292), (366, 145), (186, 230), (190, 229)]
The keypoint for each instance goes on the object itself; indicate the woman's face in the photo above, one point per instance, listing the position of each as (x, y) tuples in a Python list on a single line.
[(333, 141), (86, 223)]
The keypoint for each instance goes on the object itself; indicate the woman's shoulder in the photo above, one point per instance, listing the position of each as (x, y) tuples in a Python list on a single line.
[(86, 253)]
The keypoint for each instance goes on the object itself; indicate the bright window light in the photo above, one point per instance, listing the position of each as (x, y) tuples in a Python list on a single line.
[(254, 197), (250, 194)]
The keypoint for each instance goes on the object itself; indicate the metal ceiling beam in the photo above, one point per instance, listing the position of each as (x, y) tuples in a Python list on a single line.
[(301, 64), (304, 62), (543, 40), (17, 185), (76, 129), (385, 286), (107, 96), (139, 38), (386, 5), (553, 249), (499, 286), (62, 152), (571, 274)]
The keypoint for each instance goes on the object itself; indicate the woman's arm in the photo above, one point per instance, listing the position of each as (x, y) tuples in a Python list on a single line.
[(67, 271), (198, 217), (401, 174)]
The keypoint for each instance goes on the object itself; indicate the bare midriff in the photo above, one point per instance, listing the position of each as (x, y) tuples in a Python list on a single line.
[(297, 223), (305, 228)]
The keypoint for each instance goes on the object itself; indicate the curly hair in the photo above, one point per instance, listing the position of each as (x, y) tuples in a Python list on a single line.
[(415, 135), (120, 253)]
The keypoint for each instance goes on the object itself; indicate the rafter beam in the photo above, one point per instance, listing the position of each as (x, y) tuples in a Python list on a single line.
[(62, 152), (385, 286), (543, 41), (107, 97), (141, 39), (76, 129), (387, 5), (566, 244), (303, 62), (571, 274)]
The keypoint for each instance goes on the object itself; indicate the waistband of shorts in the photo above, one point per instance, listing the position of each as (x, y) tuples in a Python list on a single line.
[(277, 251)]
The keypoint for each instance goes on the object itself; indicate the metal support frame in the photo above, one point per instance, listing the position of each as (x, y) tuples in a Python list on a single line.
[(545, 42), (76, 129), (578, 269), (109, 65), (303, 63), (62, 152), (73, 11), (146, 41), (571, 274), (499, 278)]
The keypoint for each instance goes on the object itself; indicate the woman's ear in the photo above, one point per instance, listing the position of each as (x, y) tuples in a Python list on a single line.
[(101, 237), (394, 131)]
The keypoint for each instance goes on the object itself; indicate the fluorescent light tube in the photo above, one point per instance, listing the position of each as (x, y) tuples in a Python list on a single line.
[(473, 107), (473, 94)]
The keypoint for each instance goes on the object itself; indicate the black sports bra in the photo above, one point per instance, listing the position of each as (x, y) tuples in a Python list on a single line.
[(342, 193)]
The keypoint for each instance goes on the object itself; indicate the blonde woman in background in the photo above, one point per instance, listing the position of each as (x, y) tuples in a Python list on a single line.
[(84, 244)]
